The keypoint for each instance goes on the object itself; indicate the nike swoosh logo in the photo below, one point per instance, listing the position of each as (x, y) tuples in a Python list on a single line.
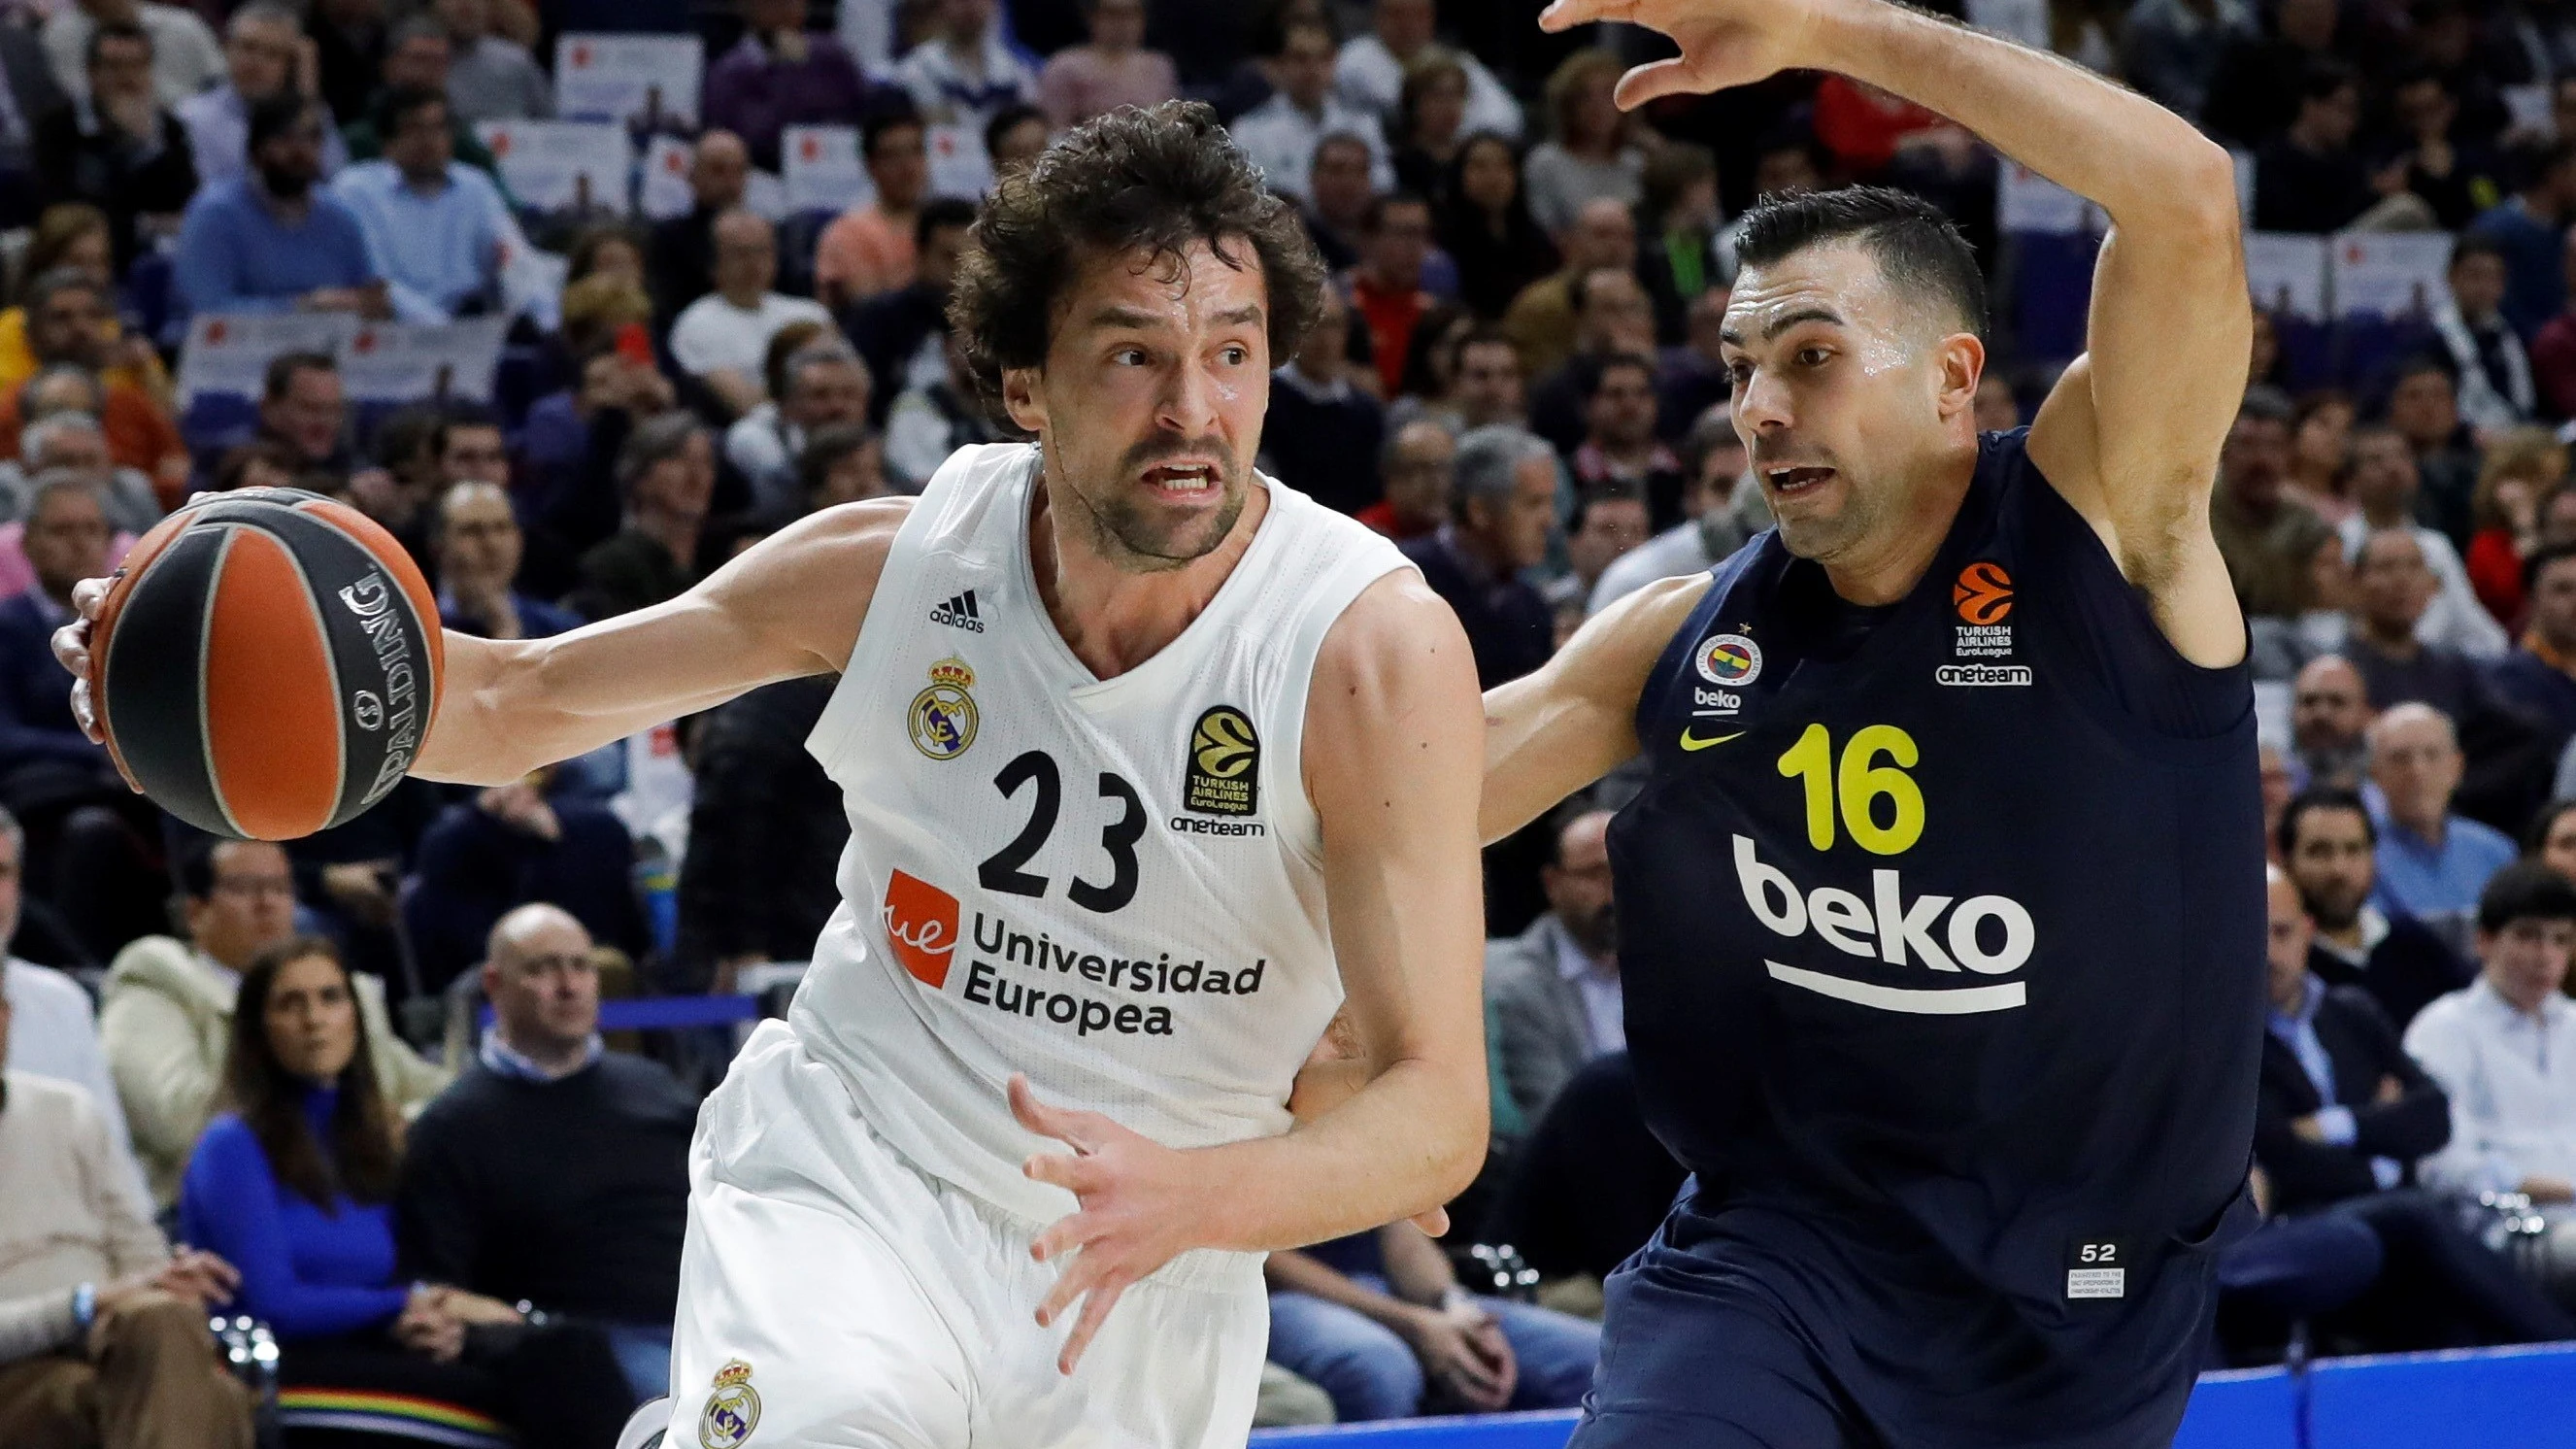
[(1689, 743)]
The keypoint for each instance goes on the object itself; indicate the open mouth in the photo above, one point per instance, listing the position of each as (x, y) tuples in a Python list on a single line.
[(1182, 480), (1788, 481)]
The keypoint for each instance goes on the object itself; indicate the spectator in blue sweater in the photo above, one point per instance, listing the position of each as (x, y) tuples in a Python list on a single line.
[(296, 1181), (511, 845), (293, 1186), (269, 241)]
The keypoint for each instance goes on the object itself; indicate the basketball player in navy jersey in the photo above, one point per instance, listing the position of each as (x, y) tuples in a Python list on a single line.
[(1941, 913)]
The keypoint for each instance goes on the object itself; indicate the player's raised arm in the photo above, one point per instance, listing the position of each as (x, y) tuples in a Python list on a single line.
[(1574, 719), (788, 606), (2132, 432)]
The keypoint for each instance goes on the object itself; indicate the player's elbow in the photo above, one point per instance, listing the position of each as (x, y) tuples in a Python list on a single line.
[(1457, 1141), (2202, 198)]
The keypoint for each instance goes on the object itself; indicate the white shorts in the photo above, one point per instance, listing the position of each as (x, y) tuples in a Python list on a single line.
[(831, 1293)]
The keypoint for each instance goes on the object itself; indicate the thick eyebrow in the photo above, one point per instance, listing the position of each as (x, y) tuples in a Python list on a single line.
[(1135, 319), (1778, 325)]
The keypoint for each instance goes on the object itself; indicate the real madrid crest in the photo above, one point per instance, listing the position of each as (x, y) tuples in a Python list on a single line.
[(943, 716), (733, 1408)]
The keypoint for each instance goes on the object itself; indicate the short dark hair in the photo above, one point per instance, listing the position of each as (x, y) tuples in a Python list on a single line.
[(941, 213), (2540, 561), (458, 416), (283, 367), (2473, 244), (1918, 250), (113, 30), (886, 116), (278, 113), (1018, 113), (2536, 834), (2322, 797), (2524, 891), (1602, 369), (1155, 180), (1378, 205), (396, 104)]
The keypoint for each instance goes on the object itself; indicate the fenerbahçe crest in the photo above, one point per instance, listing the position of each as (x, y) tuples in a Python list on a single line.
[(733, 1408), (943, 716)]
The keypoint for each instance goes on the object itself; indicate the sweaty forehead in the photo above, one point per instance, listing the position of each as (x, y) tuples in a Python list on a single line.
[(1837, 283)]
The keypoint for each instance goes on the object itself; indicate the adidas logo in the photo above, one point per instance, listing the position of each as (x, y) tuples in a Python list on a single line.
[(959, 612)]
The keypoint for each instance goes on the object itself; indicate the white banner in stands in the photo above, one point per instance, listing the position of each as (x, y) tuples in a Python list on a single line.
[(665, 192), (2028, 201), (228, 356), (958, 165), (393, 362), (532, 282), (2022, 20), (629, 78), (562, 165), (2530, 109), (2286, 272), (822, 169), (2387, 273)]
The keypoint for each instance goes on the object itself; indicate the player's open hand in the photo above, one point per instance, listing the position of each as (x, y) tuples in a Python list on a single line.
[(1723, 42), (1141, 1206)]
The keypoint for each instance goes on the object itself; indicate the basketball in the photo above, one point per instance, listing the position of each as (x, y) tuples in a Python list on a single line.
[(266, 663)]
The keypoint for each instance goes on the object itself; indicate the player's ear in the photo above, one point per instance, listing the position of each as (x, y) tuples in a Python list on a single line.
[(1024, 397), (1958, 360)]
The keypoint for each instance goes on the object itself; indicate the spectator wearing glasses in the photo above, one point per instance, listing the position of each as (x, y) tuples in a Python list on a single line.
[(265, 56), (118, 148), (185, 57), (167, 1018), (479, 548)]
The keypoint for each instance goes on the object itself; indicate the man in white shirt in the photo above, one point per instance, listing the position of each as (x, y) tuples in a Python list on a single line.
[(964, 75), (722, 338), (1280, 134), (2503, 1049), (185, 57), (53, 1030), (1369, 73)]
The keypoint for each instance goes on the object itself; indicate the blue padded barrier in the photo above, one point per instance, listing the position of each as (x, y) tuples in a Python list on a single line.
[(2524, 1398)]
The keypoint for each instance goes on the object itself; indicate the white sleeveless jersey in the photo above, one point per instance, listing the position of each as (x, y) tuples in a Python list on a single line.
[(1114, 886)]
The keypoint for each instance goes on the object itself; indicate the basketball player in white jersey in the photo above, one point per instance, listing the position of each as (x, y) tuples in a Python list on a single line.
[(1152, 766)]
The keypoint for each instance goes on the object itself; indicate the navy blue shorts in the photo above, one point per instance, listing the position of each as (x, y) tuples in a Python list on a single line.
[(1692, 1359)]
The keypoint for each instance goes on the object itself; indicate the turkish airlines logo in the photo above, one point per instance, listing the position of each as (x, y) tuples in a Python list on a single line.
[(1983, 594), (921, 921)]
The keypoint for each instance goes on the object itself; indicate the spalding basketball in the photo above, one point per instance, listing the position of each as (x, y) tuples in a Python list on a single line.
[(266, 663)]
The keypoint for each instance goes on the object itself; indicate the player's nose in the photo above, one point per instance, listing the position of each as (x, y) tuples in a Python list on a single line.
[(1189, 402)]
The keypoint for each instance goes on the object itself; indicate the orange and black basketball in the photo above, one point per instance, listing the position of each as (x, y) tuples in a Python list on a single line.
[(266, 663)]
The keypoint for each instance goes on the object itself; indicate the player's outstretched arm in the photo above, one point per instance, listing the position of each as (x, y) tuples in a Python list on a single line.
[(788, 606), (1574, 720), (2131, 434)]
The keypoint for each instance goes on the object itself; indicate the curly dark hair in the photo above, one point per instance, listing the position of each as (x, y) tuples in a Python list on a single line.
[(1156, 179)]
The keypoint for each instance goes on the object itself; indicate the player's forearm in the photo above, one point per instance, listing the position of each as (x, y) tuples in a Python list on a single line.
[(2141, 162), (1295, 1272), (1409, 1141)]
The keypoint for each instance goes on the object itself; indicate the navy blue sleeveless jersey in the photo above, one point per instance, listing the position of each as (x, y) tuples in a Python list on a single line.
[(1941, 930)]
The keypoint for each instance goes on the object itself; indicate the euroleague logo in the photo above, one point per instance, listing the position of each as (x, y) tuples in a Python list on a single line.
[(1983, 595)]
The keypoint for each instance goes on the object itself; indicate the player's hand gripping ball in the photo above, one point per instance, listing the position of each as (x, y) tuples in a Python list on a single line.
[(265, 663)]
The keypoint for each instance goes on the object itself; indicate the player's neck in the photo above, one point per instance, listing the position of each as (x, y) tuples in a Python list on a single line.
[(1884, 567), (1115, 619)]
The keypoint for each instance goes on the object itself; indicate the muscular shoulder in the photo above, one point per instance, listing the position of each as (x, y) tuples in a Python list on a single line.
[(1395, 665)]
